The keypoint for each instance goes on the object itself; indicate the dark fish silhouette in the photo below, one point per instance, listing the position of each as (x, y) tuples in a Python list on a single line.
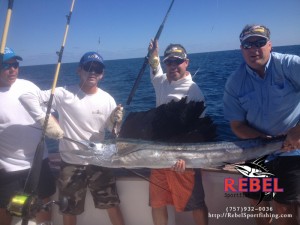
[(256, 169)]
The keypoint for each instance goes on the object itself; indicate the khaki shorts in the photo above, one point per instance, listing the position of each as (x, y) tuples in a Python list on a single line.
[(74, 180), (184, 190)]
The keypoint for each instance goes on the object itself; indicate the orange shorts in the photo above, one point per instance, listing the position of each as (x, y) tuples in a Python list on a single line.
[(183, 190)]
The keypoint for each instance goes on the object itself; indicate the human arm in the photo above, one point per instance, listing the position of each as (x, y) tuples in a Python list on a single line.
[(154, 61), (116, 118), (292, 140), (242, 130), (53, 129), (237, 107), (33, 103), (289, 65)]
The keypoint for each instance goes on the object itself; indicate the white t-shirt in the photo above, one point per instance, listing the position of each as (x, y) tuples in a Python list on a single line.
[(176, 90), (82, 117), (18, 140)]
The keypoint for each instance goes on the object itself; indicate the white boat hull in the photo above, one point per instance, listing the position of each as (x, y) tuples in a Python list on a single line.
[(134, 195)]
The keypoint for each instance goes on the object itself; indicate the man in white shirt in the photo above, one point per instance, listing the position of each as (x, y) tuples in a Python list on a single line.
[(85, 112), (185, 189), (18, 140)]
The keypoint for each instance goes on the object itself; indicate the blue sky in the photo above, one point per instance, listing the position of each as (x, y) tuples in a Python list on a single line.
[(125, 27)]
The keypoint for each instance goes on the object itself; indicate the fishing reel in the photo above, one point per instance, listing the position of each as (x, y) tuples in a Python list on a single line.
[(27, 206)]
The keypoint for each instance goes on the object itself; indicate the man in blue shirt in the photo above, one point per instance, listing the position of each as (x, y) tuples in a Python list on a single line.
[(262, 99)]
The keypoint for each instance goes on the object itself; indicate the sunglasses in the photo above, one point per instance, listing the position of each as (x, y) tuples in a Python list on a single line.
[(174, 61), (6, 66), (93, 68), (260, 43)]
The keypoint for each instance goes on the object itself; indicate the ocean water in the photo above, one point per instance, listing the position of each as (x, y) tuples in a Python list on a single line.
[(213, 71)]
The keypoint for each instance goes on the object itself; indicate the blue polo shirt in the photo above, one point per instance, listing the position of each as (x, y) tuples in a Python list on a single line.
[(270, 104)]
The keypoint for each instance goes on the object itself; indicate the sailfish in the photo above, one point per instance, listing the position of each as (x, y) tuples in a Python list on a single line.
[(157, 138)]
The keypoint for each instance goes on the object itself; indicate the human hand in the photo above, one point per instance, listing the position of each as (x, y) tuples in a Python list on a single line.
[(292, 140), (153, 57), (53, 129), (179, 166), (117, 114)]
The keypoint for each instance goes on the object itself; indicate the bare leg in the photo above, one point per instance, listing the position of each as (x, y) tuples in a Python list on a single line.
[(5, 217), (44, 216), (287, 209), (201, 216), (261, 221), (69, 219), (160, 215), (115, 216)]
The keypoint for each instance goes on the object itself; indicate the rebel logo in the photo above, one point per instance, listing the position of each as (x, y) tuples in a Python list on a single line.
[(257, 179)]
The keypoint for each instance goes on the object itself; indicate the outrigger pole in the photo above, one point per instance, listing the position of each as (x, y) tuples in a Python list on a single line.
[(142, 70), (30, 204), (5, 30)]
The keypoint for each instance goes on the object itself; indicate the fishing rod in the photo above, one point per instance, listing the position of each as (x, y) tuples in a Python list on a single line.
[(196, 72), (31, 182), (142, 70), (5, 30), (34, 173), (98, 45)]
